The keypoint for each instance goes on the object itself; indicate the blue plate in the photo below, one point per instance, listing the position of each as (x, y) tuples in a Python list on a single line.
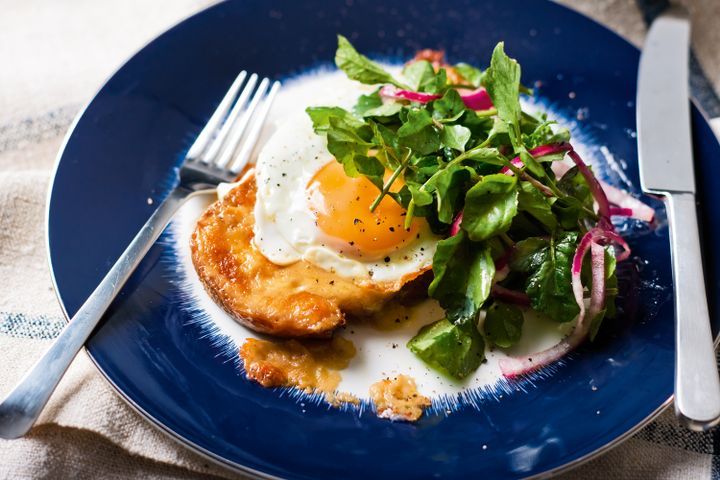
[(123, 149)]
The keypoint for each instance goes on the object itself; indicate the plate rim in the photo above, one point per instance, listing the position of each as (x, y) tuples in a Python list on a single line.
[(238, 467)]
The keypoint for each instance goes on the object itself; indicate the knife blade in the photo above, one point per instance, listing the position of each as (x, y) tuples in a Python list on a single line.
[(663, 127), (666, 168)]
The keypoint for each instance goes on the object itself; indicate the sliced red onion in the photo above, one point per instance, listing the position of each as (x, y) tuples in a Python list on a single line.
[(510, 296), (512, 367), (455, 226), (595, 187), (597, 291), (392, 92), (537, 152), (615, 196), (614, 237), (503, 261), (621, 212), (623, 199), (477, 99), (474, 99), (516, 162), (550, 149), (501, 273), (576, 268), (515, 366)]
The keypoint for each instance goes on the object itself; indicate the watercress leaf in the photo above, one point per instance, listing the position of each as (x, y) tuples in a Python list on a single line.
[(610, 262), (448, 185), (321, 116), (529, 122), (502, 81), (544, 134), (455, 350), (455, 136), (383, 111), (371, 168), (472, 75), (463, 273), (498, 133), (503, 324), (419, 196), (541, 131), (388, 150), (449, 107), (367, 102), (417, 120), (539, 206), (529, 161), (490, 206), (436, 84), (372, 105), (568, 213), (358, 67), (498, 248), (529, 254), (418, 133), (479, 124), (418, 73), (550, 286), (402, 196), (485, 155), (572, 208), (423, 167), (345, 142), (575, 185)]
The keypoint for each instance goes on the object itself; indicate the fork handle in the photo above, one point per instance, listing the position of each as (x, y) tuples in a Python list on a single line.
[(21, 408), (697, 386)]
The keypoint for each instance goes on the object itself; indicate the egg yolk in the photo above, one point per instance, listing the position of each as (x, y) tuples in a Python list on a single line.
[(342, 208)]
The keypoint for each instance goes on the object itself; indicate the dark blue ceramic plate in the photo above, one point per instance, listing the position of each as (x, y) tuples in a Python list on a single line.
[(122, 151)]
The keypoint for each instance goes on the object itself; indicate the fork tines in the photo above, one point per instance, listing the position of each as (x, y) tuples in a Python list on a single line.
[(233, 129)]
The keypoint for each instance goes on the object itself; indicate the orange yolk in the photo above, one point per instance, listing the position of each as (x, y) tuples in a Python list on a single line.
[(342, 208)]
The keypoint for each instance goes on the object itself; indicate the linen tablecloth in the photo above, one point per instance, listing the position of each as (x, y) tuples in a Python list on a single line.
[(54, 55)]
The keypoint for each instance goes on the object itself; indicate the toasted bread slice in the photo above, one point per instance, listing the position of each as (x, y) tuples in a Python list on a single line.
[(297, 300)]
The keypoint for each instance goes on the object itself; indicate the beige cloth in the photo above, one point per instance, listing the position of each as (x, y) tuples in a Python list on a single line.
[(54, 56)]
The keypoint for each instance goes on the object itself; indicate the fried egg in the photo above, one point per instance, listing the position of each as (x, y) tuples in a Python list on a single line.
[(309, 209)]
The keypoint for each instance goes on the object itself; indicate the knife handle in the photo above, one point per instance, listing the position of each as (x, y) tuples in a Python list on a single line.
[(697, 385)]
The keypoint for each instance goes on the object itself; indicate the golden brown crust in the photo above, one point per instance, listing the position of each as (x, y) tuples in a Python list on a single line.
[(296, 300)]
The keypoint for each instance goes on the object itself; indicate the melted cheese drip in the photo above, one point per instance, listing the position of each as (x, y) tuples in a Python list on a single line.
[(310, 365), (398, 399)]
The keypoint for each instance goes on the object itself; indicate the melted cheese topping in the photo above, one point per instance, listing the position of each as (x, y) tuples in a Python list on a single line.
[(398, 399), (310, 365)]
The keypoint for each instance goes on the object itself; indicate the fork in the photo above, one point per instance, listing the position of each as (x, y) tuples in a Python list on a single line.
[(219, 153)]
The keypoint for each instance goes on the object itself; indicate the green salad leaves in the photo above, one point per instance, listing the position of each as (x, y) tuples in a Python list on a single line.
[(482, 178)]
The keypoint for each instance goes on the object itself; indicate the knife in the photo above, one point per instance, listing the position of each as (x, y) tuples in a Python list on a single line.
[(666, 168)]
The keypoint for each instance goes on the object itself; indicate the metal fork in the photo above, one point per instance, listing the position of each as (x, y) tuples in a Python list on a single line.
[(220, 151)]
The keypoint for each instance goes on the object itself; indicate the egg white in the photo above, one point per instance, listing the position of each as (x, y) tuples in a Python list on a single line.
[(285, 226)]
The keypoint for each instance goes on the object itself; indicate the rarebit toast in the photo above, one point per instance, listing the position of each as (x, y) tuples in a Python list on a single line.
[(297, 300)]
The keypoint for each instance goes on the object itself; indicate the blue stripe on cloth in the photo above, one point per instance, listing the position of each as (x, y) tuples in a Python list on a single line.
[(40, 327)]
